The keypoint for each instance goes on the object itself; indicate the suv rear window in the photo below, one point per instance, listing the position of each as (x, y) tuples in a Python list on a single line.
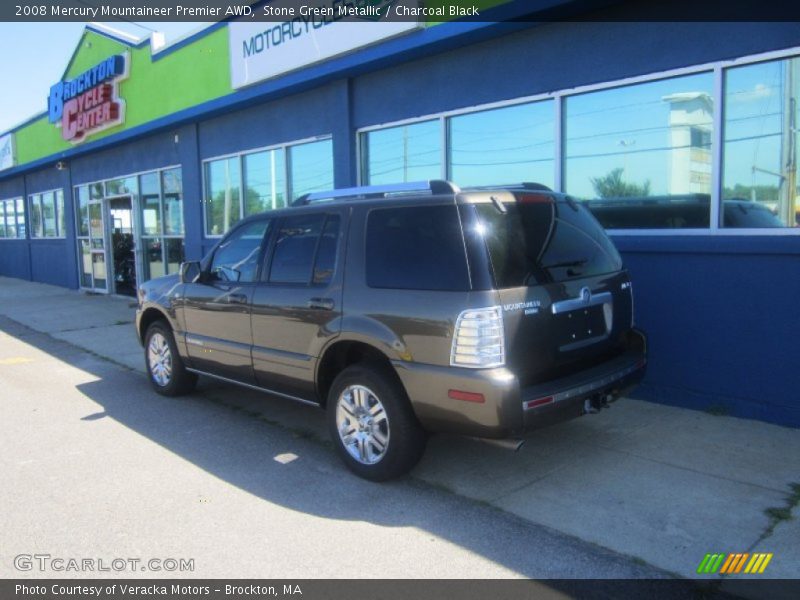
[(416, 248), (543, 242)]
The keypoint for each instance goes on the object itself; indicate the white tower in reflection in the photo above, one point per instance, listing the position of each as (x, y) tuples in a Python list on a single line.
[(690, 123)]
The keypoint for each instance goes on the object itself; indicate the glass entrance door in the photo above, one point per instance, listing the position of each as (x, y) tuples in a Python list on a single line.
[(123, 256)]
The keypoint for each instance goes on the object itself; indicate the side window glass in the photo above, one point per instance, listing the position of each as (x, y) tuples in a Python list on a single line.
[(236, 259), (326, 254), (416, 248), (293, 256)]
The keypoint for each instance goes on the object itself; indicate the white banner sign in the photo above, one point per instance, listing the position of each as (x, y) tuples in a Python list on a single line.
[(261, 50), (6, 151)]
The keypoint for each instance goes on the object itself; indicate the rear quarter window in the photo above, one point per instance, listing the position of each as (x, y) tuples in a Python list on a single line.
[(416, 248)]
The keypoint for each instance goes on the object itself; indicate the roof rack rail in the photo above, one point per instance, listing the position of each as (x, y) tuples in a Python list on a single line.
[(524, 185), (434, 186)]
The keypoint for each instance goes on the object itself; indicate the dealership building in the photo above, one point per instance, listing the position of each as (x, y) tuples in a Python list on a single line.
[(680, 136)]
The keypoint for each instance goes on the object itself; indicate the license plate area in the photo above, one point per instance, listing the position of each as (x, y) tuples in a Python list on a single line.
[(582, 326)]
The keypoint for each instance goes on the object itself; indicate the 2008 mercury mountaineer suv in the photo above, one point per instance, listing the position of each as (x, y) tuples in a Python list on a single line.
[(404, 310)]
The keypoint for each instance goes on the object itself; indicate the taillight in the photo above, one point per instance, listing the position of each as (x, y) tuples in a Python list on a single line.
[(478, 339)]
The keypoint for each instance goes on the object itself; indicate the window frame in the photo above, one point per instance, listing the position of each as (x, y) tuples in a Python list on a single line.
[(283, 146), (60, 235), (717, 70)]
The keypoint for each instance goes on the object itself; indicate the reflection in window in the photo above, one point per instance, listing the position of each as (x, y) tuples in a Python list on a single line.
[(47, 214), (82, 211), (504, 145), (150, 202), (295, 245), (162, 221), (264, 175), (12, 218), (643, 152), (759, 154), (223, 207), (236, 259), (402, 154), (172, 186), (310, 168), (264, 181)]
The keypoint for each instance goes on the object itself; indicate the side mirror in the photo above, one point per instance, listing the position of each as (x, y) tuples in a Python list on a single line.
[(190, 271)]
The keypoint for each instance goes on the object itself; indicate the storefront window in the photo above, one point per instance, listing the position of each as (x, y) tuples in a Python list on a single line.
[(402, 154), (37, 226), (264, 181), (61, 216), (310, 168), (223, 205), (12, 218), (760, 186), (47, 214), (82, 211), (641, 154), (172, 186), (150, 203), (506, 145), (264, 176), (162, 222), (125, 186)]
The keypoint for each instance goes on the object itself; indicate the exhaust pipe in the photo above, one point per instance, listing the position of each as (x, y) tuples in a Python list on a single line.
[(512, 444)]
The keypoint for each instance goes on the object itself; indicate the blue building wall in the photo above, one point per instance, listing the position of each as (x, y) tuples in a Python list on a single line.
[(15, 256), (53, 261)]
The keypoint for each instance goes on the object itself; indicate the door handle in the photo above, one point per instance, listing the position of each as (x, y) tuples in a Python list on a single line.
[(320, 303), (237, 299)]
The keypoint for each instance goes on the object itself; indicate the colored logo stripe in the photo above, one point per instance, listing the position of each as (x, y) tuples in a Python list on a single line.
[(733, 563), (758, 563), (710, 563)]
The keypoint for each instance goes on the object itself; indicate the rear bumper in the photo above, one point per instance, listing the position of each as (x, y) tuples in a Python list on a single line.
[(506, 409)]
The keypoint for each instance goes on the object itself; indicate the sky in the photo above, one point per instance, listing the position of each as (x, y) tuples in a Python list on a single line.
[(34, 56)]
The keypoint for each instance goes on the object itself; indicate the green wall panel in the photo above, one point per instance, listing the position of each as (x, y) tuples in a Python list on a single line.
[(194, 74)]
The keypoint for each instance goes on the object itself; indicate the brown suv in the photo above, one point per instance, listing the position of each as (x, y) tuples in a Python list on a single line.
[(404, 310)]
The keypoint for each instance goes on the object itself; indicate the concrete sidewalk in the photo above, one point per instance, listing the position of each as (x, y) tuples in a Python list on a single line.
[(660, 484)]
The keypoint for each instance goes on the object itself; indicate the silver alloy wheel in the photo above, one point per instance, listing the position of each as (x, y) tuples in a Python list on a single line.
[(159, 358), (363, 424)]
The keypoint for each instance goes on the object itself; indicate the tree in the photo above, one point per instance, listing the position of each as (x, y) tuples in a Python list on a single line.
[(611, 185)]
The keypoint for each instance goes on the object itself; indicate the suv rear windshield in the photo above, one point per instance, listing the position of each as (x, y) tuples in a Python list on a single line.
[(539, 241)]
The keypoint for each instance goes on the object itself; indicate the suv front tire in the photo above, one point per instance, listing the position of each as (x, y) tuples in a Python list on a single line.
[(165, 368)]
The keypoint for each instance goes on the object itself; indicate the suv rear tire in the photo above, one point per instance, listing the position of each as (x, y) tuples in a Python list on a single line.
[(372, 424), (165, 368)]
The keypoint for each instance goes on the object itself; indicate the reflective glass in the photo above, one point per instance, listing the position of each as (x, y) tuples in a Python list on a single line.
[(264, 181), (172, 185), (311, 168), (223, 206), (642, 153), (405, 153), (759, 174), (149, 201), (82, 212), (37, 225), (504, 145)]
